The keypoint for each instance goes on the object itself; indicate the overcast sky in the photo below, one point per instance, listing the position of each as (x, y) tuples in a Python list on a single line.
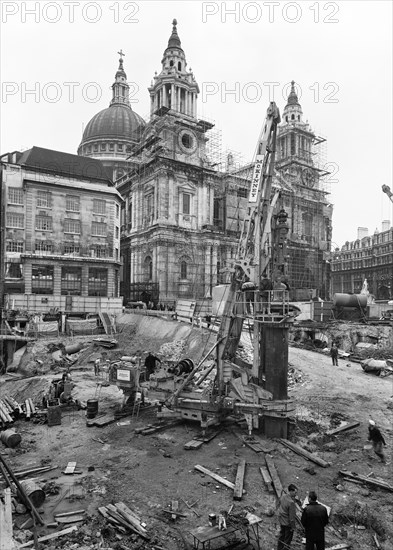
[(58, 61)]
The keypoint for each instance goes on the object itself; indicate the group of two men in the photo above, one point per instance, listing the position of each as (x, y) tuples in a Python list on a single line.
[(314, 519)]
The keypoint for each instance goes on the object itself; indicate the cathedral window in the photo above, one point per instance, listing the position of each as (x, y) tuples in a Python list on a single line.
[(171, 63), (149, 206), (179, 66), (183, 270), (292, 117), (103, 146), (186, 200), (293, 144), (148, 268), (89, 149), (111, 147), (120, 147), (96, 147), (286, 119)]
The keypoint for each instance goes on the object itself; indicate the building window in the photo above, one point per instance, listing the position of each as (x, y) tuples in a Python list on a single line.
[(72, 226), (15, 195), (72, 203), (98, 229), (103, 146), (13, 270), (14, 246), (99, 251), (111, 147), (117, 232), (117, 211), (44, 223), (148, 268), (95, 147), (293, 144), (116, 253), (242, 192), (183, 270), (120, 147), (43, 199), (99, 207), (42, 279), (43, 246), (16, 221), (71, 281), (149, 206), (130, 215), (71, 248), (98, 281), (186, 203), (307, 224)]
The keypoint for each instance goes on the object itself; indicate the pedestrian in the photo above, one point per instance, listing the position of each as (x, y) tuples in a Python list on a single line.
[(334, 354), (314, 519), (150, 364), (97, 367), (374, 435), (287, 517)]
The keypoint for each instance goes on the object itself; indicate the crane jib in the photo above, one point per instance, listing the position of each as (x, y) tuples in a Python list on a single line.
[(256, 179)]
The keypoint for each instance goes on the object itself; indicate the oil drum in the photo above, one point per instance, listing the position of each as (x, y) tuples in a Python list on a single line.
[(34, 492), (10, 438), (92, 408)]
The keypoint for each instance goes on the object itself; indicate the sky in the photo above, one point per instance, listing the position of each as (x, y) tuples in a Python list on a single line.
[(59, 58)]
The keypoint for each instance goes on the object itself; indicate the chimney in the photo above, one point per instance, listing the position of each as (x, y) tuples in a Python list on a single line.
[(385, 225), (362, 232)]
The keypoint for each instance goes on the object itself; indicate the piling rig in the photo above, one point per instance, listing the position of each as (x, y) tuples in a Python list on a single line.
[(258, 391)]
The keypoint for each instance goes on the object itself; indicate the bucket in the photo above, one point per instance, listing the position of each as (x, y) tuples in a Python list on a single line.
[(212, 520), (92, 408), (10, 438), (34, 492)]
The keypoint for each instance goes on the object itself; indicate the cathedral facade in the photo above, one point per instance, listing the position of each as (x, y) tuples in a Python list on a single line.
[(181, 218)]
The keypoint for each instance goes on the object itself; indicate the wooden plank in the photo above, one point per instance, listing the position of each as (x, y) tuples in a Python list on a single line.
[(193, 444), (112, 510), (344, 428), (341, 546), (52, 536), (277, 485), (73, 513), (305, 454), (241, 470), (6, 540), (28, 412), (174, 508), (371, 481), (267, 479), (215, 476), (70, 519), (70, 468), (130, 516)]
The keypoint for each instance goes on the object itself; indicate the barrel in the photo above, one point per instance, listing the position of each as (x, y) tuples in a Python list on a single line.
[(92, 408), (350, 300), (34, 492), (10, 438)]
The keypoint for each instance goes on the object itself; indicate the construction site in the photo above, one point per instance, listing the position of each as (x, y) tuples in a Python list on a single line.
[(182, 428)]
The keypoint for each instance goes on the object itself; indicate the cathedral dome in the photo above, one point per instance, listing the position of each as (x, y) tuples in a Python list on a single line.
[(115, 122)]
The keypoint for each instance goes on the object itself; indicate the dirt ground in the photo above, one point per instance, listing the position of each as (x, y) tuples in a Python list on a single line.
[(148, 472)]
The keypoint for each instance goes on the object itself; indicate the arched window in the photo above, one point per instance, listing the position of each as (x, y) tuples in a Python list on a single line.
[(292, 117), (183, 270), (179, 66), (171, 63), (148, 268)]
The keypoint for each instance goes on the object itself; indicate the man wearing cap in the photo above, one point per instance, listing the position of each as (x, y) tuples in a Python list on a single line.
[(287, 517), (150, 364), (314, 518), (374, 435)]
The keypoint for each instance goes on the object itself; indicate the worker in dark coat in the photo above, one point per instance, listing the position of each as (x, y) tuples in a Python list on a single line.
[(314, 518), (334, 354), (287, 517), (150, 364), (374, 435)]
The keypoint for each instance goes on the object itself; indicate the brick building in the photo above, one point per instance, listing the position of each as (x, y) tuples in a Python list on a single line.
[(61, 231), (368, 257)]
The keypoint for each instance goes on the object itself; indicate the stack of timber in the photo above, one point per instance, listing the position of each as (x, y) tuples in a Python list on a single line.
[(10, 410), (123, 519)]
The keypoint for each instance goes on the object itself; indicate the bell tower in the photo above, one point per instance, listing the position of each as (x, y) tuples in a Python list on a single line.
[(175, 88)]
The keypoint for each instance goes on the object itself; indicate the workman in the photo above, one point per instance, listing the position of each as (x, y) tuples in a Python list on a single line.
[(314, 519), (150, 364), (334, 354), (374, 435), (287, 517)]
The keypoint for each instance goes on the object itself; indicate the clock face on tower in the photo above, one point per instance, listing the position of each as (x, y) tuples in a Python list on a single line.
[(187, 141), (308, 177)]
